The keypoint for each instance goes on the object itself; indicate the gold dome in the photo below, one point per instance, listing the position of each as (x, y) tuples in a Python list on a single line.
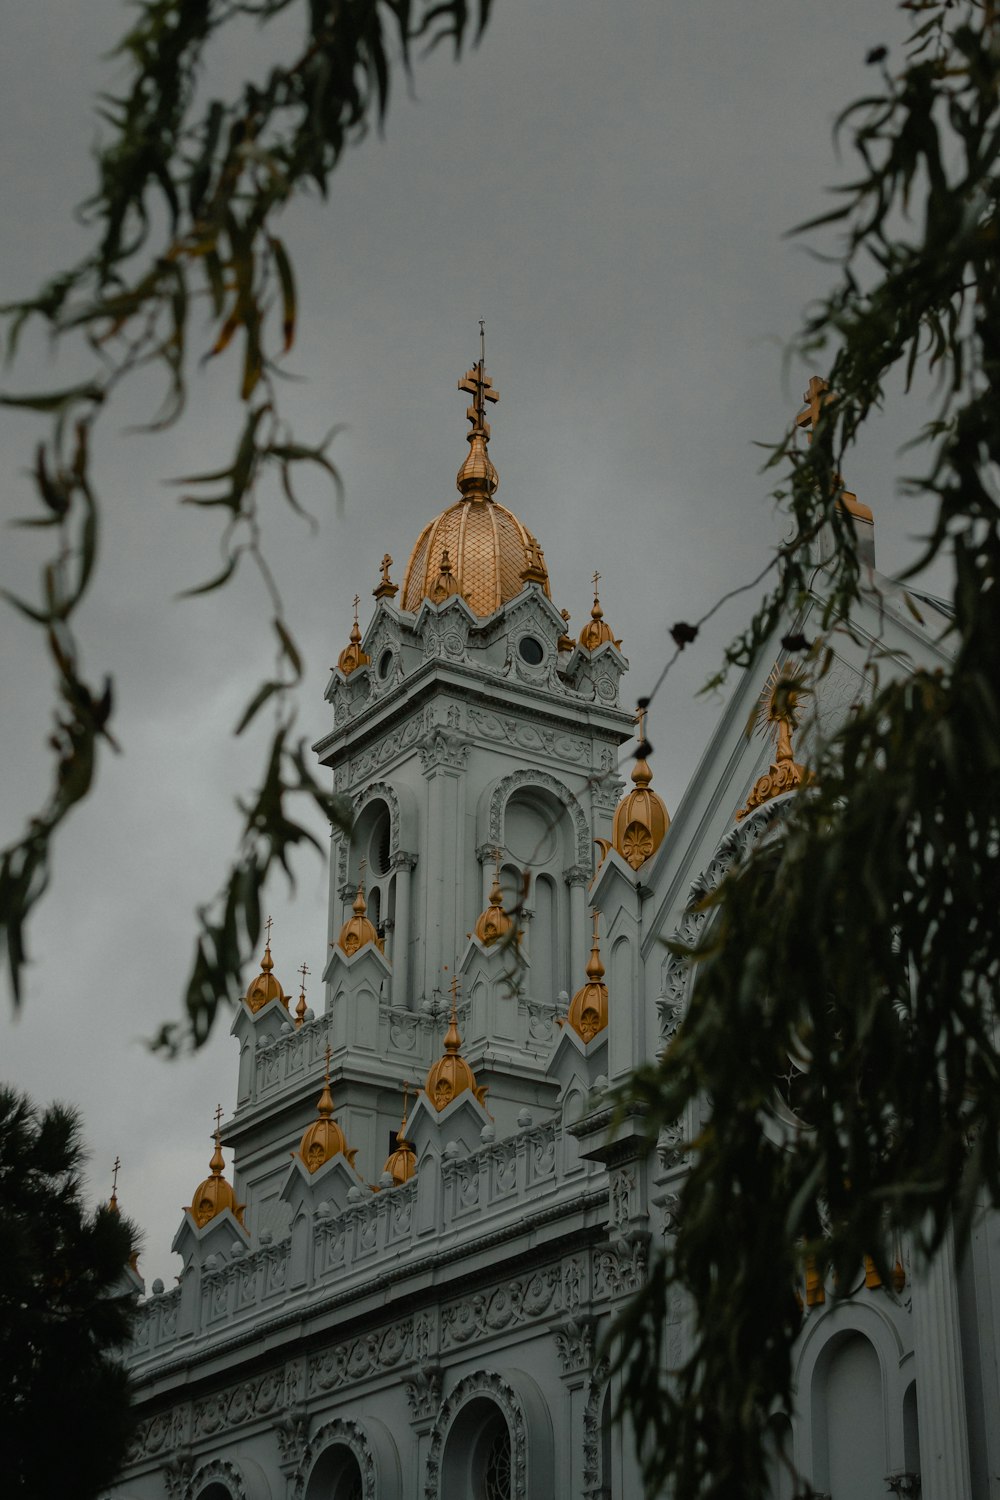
[(490, 555), (324, 1138), (641, 818), (359, 929), (352, 657), (451, 1074), (588, 1011), (597, 632), (401, 1164), (265, 986), (494, 923), (215, 1194)]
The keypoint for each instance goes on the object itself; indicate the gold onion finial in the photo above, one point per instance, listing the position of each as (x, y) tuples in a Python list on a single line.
[(352, 657), (477, 479), (301, 1008), (451, 1074), (494, 923), (323, 1139), (215, 1194), (401, 1163), (359, 929), (588, 1011), (778, 717), (641, 818), (597, 631), (265, 986), (817, 395)]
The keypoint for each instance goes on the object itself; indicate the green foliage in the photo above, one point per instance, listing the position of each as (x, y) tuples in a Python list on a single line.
[(65, 1312), (184, 221), (855, 950)]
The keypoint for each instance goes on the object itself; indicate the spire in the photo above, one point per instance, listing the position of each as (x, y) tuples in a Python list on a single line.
[(641, 818), (588, 1011), (352, 657), (215, 1194), (265, 986), (597, 632), (451, 1074), (477, 479), (323, 1139), (358, 929), (494, 923), (113, 1200), (301, 1008), (402, 1162), (778, 717)]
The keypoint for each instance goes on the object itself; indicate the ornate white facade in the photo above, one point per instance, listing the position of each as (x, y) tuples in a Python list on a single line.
[(440, 1338)]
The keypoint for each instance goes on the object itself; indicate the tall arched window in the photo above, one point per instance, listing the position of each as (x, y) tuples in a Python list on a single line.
[(336, 1476), (539, 838), (477, 1457)]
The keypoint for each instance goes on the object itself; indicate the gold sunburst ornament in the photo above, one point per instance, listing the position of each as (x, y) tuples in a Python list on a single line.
[(778, 716)]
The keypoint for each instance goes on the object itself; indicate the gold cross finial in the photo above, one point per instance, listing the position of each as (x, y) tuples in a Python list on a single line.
[(218, 1120), (268, 925), (357, 601), (817, 395), (406, 1098), (362, 865), (114, 1179), (304, 970), (597, 579), (640, 720), (386, 565), (328, 1056), (480, 387)]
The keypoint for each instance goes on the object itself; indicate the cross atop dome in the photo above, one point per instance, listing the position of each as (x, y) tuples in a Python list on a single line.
[(480, 387)]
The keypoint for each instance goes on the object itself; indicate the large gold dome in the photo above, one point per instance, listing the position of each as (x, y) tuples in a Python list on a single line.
[(489, 551)]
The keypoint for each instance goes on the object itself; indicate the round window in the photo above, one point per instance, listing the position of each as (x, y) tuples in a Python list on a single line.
[(530, 650), (384, 664)]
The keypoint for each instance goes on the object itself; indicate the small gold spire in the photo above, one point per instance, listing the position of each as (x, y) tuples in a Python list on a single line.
[(641, 818), (494, 923), (385, 588), (401, 1163), (352, 657), (817, 395), (446, 584), (477, 478), (597, 632), (322, 1140), (215, 1194), (778, 716), (301, 1008), (451, 1074), (359, 929), (265, 986), (588, 1010)]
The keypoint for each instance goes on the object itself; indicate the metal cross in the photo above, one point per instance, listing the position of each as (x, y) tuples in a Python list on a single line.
[(640, 719), (597, 579), (328, 1054), (480, 387), (816, 396), (386, 565), (268, 924), (114, 1180), (218, 1117), (304, 971), (357, 601)]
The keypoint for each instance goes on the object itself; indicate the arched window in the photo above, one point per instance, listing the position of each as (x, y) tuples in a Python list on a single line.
[(477, 1458), (849, 1442), (539, 838), (336, 1476)]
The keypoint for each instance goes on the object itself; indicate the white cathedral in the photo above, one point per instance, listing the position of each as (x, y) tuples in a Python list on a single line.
[(431, 1221)]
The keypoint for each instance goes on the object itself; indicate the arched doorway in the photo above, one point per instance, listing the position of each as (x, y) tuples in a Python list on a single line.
[(477, 1457), (336, 1475)]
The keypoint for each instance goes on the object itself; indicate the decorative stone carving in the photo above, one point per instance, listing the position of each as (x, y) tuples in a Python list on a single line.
[(620, 1268), (343, 1432), (575, 1345), (291, 1429), (370, 1354), (423, 1392), (592, 1476), (246, 1402), (525, 777), (443, 747), (534, 738), (508, 1305), (620, 1191), (482, 1383), (386, 749), (221, 1470)]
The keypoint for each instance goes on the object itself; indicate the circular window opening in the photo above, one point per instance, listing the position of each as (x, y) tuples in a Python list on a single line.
[(530, 650), (384, 663)]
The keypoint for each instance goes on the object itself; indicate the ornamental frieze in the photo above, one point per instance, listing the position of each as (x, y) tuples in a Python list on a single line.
[(508, 1305), (507, 729), (361, 1358), (247, 1402)]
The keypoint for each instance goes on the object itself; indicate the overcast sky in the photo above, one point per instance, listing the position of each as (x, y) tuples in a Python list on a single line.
[(610, 187)]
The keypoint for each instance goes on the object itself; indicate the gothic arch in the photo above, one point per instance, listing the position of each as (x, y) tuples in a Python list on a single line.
[(505, 788), (523, 1408)]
